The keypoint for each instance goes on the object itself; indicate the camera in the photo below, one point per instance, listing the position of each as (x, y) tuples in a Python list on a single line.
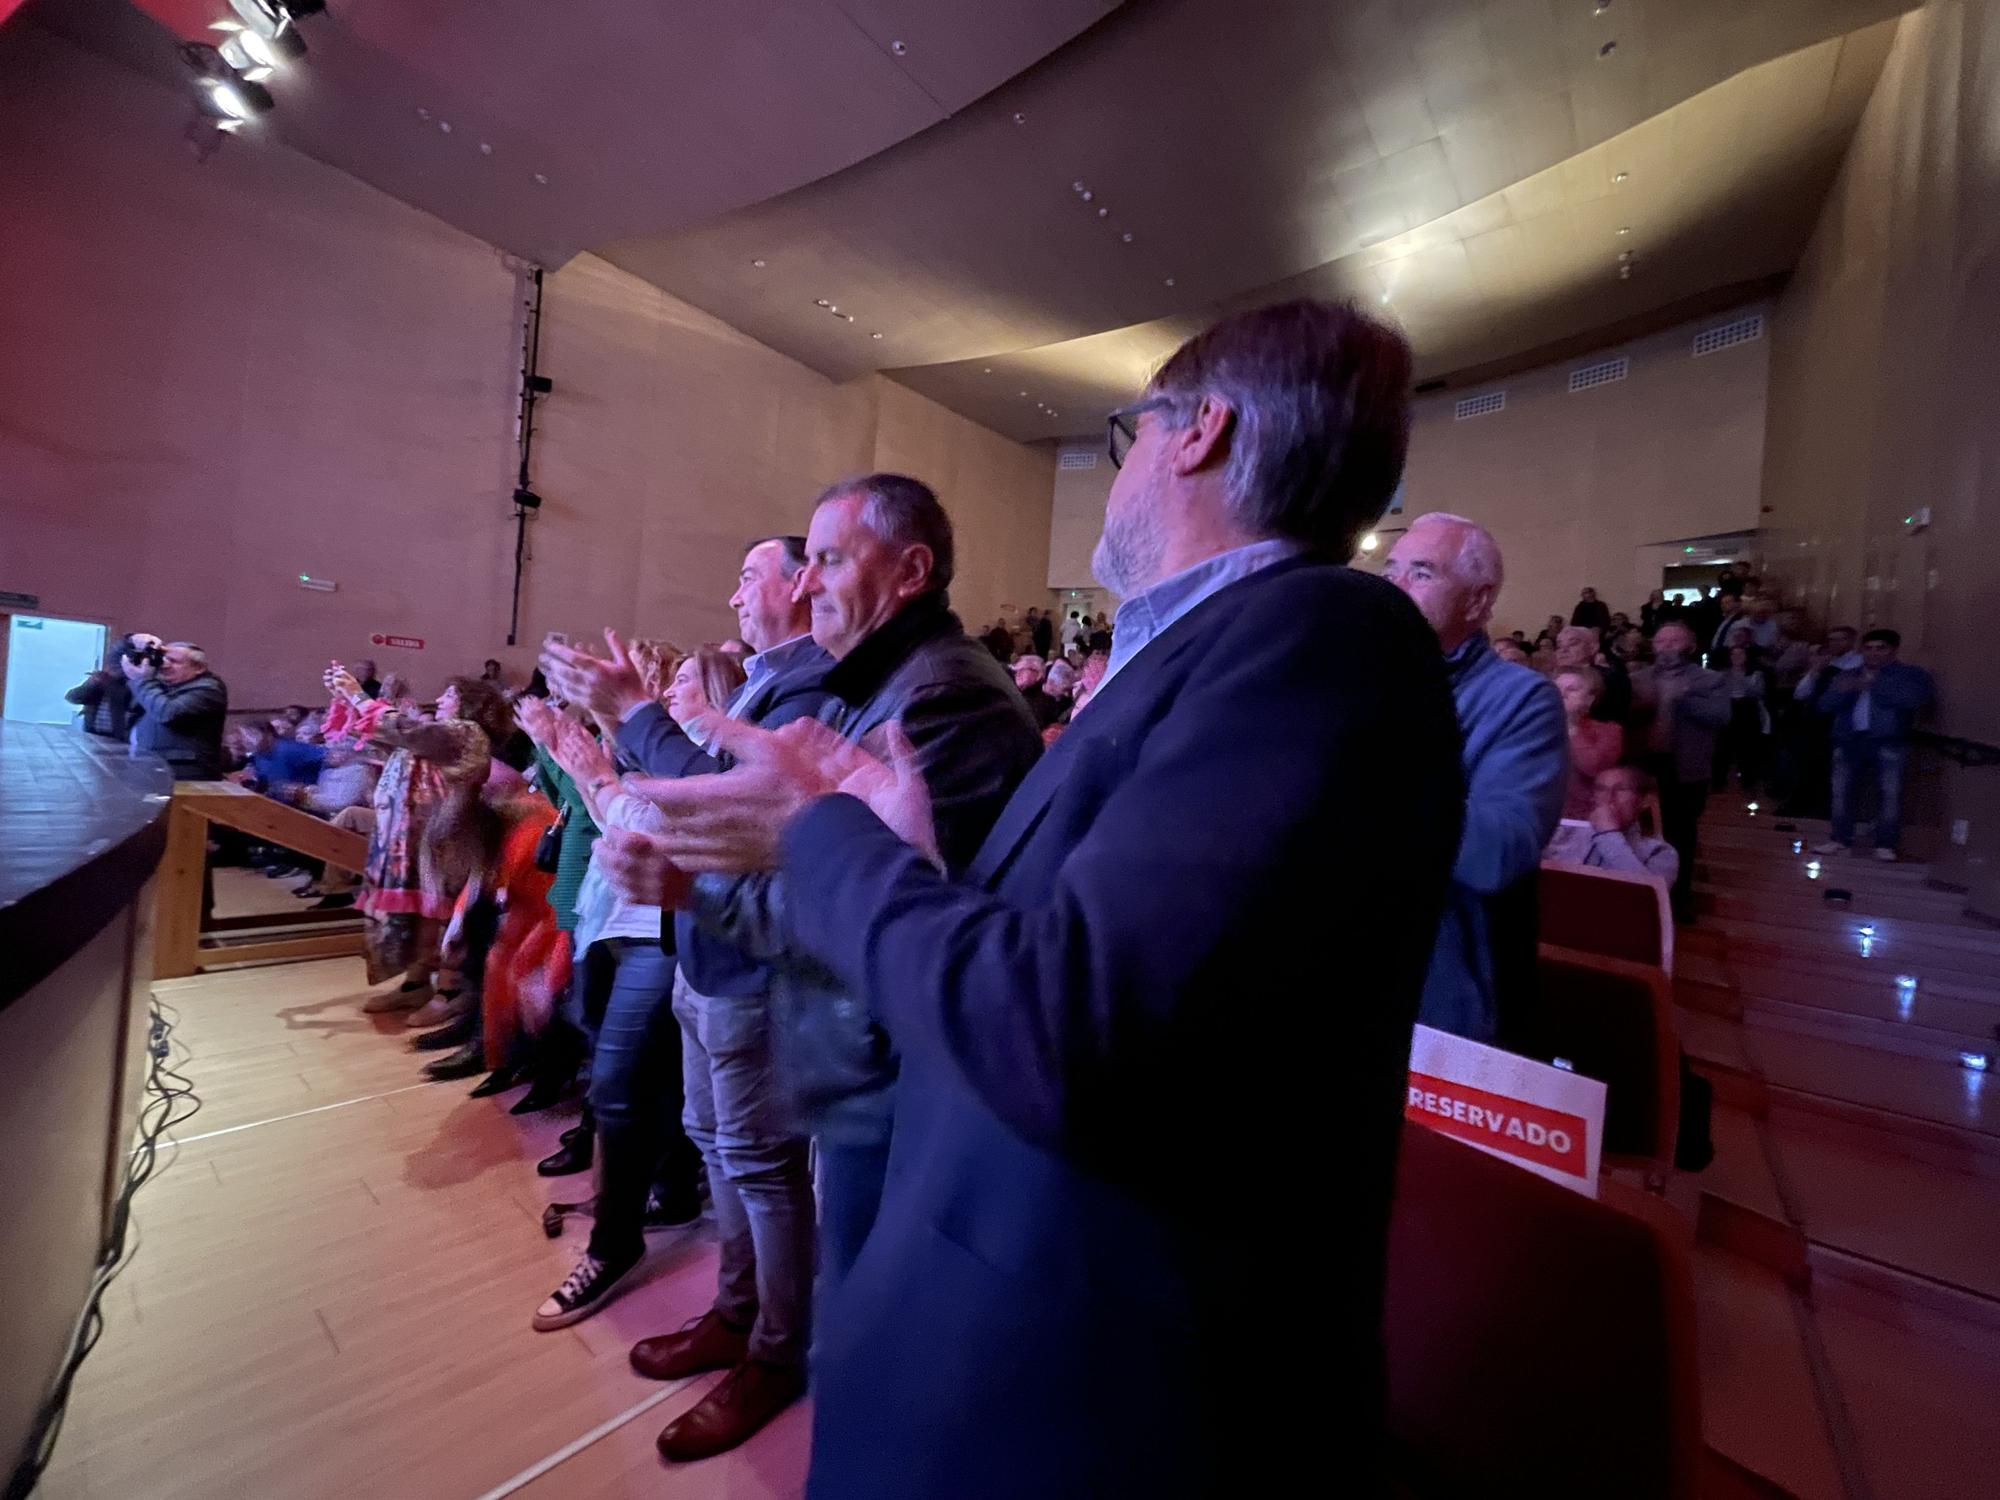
[(144, 655)]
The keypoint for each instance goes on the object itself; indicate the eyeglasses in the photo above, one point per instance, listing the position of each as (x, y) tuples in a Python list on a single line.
[(1122, 427)]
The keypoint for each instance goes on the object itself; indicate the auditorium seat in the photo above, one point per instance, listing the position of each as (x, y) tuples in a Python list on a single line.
[(1607, 912), (1539, 1342), (1613, 1020)]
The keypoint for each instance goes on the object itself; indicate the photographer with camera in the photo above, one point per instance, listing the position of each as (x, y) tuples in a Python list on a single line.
[(180, 705)]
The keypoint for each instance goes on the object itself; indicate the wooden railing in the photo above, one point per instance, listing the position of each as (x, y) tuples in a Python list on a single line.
[(181, 946)]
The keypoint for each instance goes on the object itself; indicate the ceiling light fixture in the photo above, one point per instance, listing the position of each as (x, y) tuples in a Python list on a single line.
[(1077, 187), (1624, 229), (445, 126), (989, 369), (901, 49), (1607, 49), (1168, 282), (821, 302), (1104, 213), (757, 264), (874, 335), (1019, 118), (422, 113), (1620, 176), (541, 179), (485, 148), (1126, 236), (1370, 541), (241, 100)]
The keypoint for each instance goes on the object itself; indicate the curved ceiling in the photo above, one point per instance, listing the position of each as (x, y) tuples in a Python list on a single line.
[(548, 128), (1056, 191)]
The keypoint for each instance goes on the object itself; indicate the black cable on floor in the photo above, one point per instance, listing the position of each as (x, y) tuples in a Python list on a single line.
[(170, 1100)]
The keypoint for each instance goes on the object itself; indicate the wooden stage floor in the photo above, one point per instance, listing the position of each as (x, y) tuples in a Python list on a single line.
[(332, 1290)]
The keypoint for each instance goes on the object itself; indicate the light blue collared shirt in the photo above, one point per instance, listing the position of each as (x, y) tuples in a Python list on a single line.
[(1145, 617)]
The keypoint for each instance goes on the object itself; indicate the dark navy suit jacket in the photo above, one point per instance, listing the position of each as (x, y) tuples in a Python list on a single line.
[(1154, 1050), (789, 689)]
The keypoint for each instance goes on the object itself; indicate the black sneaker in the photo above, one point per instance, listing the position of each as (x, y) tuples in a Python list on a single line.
[(671, 1209), (586, 1289)]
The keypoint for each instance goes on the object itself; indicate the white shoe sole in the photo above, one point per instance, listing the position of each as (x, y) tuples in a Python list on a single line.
[(589, 1309)]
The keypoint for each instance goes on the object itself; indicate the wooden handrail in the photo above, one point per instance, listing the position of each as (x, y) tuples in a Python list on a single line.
[(178, 949)]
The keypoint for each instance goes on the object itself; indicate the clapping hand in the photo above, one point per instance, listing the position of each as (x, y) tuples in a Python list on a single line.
[(537, 720), (612, 687), (578, 753), (732, 823)]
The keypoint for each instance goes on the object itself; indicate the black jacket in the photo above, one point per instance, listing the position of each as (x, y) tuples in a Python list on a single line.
[(975, 740), (182, 723), (1189, 952), (106, 700)]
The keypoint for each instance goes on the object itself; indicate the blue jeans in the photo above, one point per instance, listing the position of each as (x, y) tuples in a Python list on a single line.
[(757, 1174), (635, 1082), (1857, 762)]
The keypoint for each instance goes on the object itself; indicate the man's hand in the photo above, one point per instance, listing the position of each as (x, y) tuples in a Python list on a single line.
[(732, 823), (135, 671), (610, 687), (1603, 819), (638, 865)]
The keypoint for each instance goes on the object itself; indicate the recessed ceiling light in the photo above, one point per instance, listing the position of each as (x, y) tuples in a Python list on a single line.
[(445, 126), (485, 148), (821, 302), (874, 335), (757, 264), (901, 49), (1602, 7), (847, 317), (989, 370), (1169, 281), (1607, 49), (1624, 273), (1087, 195), (1624, 229), (1624, 255), (1024, 395), (1104, 213), (422, 113), (1019, 118), (1126, 236), (832, 307), (1620, 176), (1077, 186), (542, 178)]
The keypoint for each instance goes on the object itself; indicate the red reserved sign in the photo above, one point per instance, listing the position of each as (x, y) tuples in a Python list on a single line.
[(1511, 1127), (407, 642)]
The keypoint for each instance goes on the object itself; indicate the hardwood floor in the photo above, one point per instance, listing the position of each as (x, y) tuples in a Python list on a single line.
[(332, 1291)]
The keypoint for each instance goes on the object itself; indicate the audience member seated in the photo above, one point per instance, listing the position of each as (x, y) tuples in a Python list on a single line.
[(1508, 649), (1516, 761), (1610, 838), (1594, 746), (1874, 709)]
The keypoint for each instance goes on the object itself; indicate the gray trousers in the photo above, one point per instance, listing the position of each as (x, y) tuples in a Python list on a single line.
[(758, 1176)]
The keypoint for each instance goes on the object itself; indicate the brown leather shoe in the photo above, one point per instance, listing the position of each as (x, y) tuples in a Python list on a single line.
[(742, 1402), (708, 1343)]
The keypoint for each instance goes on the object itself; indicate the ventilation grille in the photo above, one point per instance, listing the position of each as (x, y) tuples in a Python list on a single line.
[(1077, 458), (1602, 373), (1742, 331), (1480, 406)]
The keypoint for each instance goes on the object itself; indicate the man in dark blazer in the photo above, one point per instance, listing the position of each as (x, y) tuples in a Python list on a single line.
[(1155, 1040), (717, 1032)]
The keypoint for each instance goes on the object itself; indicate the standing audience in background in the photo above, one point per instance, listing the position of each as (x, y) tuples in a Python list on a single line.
[(1516, 764), (1679, 707), (1594, 746), (1742, 744), (105, 696), (1874, 708), (1591, 611)]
